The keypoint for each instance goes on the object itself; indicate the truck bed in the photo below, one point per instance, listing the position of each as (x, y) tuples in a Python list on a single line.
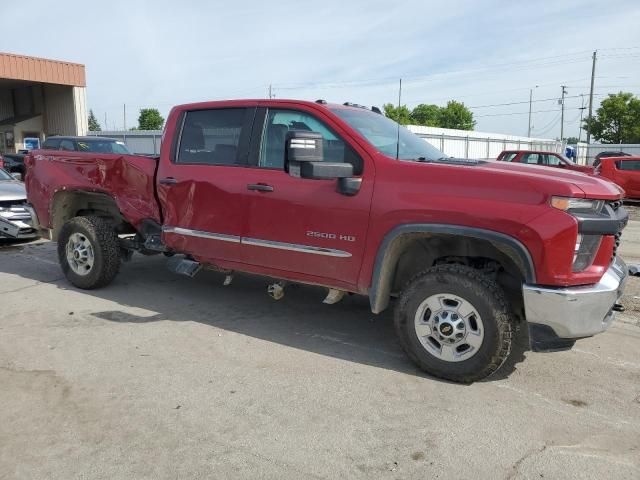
[(128, 179)]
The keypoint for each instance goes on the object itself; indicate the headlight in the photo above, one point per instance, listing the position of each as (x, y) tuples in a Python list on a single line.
[(577, 205)]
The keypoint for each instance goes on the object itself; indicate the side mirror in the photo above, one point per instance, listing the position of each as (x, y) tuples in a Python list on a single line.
[(17, 176), (304, 158)]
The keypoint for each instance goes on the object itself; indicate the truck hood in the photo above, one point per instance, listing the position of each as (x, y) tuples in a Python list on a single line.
[(12, 190), (587, 185)]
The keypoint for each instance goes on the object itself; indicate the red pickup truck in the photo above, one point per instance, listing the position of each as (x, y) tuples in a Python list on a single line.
[(340, 196), (623, 171)]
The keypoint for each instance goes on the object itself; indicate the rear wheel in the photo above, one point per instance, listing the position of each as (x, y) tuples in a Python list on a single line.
[(88, 252), (454, 323)]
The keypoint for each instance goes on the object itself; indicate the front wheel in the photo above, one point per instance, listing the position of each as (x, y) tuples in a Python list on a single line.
[(88, 252), (454, 323)]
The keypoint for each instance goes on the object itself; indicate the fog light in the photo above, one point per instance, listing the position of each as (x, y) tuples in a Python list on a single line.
[(585, 251)]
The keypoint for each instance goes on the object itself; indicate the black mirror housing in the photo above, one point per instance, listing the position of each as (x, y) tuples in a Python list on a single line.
[(303, 146), (325, 170)]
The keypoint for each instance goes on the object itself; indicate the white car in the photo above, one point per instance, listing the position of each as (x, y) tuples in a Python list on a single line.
[(16, 217)]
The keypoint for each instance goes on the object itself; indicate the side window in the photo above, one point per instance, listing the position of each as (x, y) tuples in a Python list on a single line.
[(211, 137), (279, 122), (51, 144), (553, 161), (508, 157), (67, 145), (531, 158), (633, 165)]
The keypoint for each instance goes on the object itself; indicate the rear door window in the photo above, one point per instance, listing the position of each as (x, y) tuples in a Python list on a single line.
[(213, 137), (508, 157)]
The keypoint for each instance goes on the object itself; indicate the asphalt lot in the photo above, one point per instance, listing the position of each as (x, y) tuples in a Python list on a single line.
[(160, 376)]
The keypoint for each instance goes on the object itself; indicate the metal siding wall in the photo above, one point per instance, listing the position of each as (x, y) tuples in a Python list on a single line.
[(80, 108), (59, 110)]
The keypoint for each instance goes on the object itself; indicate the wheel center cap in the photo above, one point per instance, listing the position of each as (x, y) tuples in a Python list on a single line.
[(446, 329), (76, 254)]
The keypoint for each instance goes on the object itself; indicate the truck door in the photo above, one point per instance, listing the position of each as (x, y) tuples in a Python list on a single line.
[(301, 225), (201, 187)]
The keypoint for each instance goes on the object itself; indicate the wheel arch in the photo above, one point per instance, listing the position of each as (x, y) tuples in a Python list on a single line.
[(67, 204), (505, 249)]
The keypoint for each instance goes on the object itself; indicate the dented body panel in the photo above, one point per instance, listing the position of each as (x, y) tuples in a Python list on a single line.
[(127, 179)]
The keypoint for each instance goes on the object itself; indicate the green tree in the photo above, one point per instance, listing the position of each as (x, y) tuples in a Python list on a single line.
[(428, 115), (150, 119), (617, 119), (571, 140), (94, 126), (401, 114), (456, 115)]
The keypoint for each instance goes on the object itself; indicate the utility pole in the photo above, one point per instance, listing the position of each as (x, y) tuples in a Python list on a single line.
[(124, 116), (593, 77), (564, 91), (106, 126), (582, 109), (270, 94), (530, 102)]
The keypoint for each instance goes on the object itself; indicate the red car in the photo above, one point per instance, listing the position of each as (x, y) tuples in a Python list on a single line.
[(624, 172), (547, 159), (341, 197)]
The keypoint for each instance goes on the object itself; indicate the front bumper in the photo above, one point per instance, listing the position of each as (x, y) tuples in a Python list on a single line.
[(575, 312), (18, 222)]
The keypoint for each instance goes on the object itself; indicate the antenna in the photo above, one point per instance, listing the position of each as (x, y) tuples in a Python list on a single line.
[(398, 136)]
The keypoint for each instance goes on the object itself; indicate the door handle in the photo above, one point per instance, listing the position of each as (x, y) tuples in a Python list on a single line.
[(260, 187), (168, 181)]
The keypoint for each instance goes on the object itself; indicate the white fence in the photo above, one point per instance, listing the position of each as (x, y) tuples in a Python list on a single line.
[(456, 143), (471, 144)]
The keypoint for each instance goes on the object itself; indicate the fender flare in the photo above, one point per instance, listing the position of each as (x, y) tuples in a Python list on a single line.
[(390, 249)]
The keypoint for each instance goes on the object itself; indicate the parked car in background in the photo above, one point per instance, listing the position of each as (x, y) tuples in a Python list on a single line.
[(602, 155), (342, 197), (624, 172), (547, 159), (16, 217), (86, 144), (13, 163)]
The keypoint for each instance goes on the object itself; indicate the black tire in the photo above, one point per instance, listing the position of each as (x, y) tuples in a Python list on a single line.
[(106, 251), (483, 294)]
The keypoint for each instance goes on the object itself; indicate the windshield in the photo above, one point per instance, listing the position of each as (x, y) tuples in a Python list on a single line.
[(101, 146), (4, 175), (382, 133)]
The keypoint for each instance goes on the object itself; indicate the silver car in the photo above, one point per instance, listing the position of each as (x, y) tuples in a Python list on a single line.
[(16, 218)]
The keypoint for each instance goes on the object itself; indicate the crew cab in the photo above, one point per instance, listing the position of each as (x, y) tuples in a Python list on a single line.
[(547, 159), (342, 197), (623, 171)]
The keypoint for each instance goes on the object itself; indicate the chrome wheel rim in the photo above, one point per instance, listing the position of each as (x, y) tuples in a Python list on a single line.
[(79, 254), (449, 327)]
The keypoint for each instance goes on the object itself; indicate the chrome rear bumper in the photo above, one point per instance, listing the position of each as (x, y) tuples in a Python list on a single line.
[(577, 312)]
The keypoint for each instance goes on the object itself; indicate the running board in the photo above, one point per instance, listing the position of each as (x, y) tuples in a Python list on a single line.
[(184, 266)]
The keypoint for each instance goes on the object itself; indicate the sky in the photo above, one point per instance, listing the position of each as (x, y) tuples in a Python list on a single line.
[(486, 54)]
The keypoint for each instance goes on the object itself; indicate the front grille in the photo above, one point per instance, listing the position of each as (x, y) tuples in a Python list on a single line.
[(12, 203)]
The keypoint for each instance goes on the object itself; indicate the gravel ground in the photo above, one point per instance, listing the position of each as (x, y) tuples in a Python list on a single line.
[(162, 377)]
